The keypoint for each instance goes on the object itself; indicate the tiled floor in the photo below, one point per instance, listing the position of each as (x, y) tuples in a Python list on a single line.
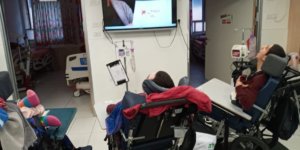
[(85, 128)]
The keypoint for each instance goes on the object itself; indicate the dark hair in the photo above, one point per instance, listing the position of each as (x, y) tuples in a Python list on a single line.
[(163, 79), (277, 50)]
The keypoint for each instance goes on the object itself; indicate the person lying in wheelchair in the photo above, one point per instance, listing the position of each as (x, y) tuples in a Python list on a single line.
[(247, 88), (254, 94), (160, 78), (147, 121)]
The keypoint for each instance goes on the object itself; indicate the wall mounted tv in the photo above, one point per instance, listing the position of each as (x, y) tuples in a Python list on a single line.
[(122, 15)]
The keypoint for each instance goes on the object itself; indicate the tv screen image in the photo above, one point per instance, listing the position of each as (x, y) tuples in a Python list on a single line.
[(139, 14)]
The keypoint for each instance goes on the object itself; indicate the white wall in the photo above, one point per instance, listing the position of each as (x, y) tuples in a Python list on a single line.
[(275, 22), (222, 37), (149, 57), (3, 63)]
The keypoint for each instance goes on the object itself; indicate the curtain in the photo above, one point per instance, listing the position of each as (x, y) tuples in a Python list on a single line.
[(48, 28), (72, 21)]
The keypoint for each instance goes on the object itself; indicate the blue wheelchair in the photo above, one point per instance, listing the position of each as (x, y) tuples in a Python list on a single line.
[(255, 129)]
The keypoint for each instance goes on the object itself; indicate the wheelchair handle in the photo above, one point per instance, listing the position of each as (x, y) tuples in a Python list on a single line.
[(162, 103)]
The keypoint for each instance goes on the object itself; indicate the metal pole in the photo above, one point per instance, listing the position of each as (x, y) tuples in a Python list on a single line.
[(259, 11), (125, 66)]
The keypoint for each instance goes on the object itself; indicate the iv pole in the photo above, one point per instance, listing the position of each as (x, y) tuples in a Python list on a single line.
[(125, 65)]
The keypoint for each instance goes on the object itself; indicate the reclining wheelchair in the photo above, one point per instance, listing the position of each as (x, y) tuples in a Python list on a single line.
[(143, 132), (146, 131), (251, 126)]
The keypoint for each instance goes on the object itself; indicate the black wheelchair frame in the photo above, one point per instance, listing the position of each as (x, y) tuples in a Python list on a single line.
[(257, 136)]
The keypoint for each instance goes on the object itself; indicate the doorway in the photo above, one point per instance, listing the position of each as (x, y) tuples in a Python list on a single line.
[(41, 35), (197, 42)]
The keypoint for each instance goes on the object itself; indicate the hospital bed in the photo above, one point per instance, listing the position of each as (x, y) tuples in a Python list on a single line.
[(77, 73), (27, 60), (251, 126)]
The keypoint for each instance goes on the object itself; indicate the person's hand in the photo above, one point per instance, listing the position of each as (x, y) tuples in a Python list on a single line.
[(240, 83)]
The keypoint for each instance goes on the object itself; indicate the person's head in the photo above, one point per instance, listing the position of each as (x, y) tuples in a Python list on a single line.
[(161, 78), (270, 49)]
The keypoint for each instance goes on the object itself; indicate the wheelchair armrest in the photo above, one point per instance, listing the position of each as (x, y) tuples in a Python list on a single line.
[(260, 109), (162, 103)]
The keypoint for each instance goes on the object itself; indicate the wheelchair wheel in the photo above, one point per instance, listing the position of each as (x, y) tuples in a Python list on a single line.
[(269, 138), (245, 142)]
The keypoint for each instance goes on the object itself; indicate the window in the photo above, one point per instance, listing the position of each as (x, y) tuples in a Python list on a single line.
[(45, 22), (198, 24), (29, 6)]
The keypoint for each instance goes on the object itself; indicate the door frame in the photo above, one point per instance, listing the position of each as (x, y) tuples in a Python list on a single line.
[(7, 51)]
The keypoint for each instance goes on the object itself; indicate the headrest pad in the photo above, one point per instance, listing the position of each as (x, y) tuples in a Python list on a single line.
[(274, 65), (150, 86), (184, 81)]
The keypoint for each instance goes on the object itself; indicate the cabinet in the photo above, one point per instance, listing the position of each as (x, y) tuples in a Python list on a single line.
[(293, 44)]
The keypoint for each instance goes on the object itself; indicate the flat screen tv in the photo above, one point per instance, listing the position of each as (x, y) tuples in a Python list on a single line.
[(122, 15)]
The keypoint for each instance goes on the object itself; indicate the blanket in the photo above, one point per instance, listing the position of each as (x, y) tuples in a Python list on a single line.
[(16, 134), (191, 94)]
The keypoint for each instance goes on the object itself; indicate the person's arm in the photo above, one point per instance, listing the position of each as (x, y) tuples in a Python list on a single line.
[(239, 82), (247, 93), (124, 11), (129, 14)]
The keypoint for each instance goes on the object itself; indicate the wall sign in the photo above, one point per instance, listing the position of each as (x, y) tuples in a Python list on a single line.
[(226, 19)]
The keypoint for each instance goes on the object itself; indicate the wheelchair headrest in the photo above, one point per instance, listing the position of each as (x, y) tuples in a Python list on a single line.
[(150, 86), (184, 81), (6, 88), (274, 65)]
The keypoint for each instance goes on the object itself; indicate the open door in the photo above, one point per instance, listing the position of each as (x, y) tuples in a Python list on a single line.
[(5, 55), (225, 21)]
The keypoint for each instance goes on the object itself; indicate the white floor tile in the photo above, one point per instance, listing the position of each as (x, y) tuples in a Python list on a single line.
[(293, 142), (83, 105), (83, 125), (97, 127), (79, 139), (97, 138), (97, 141), (100, 109)]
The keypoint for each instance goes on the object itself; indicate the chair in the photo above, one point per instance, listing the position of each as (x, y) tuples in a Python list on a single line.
[(152, 133), (274, 67)]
